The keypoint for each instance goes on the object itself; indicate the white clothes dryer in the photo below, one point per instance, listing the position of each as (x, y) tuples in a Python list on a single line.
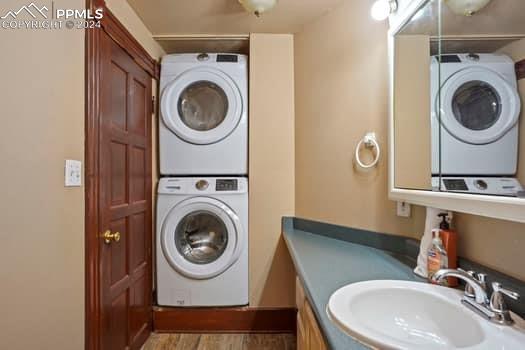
[(203, 127), (475, 109), (202, 242)]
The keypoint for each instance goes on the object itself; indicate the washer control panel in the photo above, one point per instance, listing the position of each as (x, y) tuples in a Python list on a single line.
[(203, 186)]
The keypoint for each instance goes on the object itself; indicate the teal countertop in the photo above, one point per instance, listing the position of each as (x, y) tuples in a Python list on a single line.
[(324, 264)]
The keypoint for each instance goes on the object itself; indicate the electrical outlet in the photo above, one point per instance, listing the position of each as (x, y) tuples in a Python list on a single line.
[(403, 209), (73, 173)]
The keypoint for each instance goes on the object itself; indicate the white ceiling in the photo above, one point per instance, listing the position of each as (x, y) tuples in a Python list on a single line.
[(227, 16)]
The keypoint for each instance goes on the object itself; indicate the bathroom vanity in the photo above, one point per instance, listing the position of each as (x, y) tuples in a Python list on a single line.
[(309, 335), (328, 257)]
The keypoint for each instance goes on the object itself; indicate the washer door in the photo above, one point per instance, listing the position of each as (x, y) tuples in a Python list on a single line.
[(478, 106), (202, 106), (201, 237)]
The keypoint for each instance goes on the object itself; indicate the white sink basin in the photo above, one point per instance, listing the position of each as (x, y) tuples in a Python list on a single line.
[(412, 315)]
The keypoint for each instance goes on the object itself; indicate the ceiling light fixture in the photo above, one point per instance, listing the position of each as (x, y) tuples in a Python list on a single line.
[(466, 7), (258, 7), (381, 9)]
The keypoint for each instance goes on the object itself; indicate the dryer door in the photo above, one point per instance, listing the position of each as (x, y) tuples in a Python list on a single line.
[(478, 106), (201, 237), (202, 106)]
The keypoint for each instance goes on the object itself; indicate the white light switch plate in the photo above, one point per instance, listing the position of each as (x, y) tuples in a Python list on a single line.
[(403, 209), (73, 173)]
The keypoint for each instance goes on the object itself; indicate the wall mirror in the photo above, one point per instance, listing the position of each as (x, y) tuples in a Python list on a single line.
[(457, 92)]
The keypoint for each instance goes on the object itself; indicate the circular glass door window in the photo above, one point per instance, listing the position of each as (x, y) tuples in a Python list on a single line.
[(201, 237), (203, 105), (476, 105)]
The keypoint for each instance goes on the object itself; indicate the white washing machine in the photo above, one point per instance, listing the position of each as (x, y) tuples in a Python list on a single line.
[(202, 242), (203, 128), (474, 121)]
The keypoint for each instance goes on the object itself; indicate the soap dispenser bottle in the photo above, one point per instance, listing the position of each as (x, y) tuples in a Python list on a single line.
[(437, 257), (449, 238)]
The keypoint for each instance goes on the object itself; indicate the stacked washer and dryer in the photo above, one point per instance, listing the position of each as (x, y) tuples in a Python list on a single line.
[(202, 203), (475, 109)]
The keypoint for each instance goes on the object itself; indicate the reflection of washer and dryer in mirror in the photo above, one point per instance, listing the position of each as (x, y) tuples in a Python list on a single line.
[(202, 204), (475, 109)]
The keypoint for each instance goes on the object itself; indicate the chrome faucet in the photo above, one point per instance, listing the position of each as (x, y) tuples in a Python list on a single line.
[(480, 295), (476, 297)]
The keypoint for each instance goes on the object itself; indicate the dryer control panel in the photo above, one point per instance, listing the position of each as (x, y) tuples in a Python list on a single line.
[(226, 185), (202, 185), (227, 58)]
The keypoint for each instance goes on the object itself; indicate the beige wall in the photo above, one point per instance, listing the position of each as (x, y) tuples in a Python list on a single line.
[(494, 243), (132, 22), (341, 78), (42, 223), (411, 111), (271, 168)]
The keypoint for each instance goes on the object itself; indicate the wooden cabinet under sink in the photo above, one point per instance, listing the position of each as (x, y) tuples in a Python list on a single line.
[(309, 336)]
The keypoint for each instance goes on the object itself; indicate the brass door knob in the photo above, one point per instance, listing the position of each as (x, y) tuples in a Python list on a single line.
[(108, 237)]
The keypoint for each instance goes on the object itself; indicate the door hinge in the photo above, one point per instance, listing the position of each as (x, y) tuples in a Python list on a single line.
[(153, 104)]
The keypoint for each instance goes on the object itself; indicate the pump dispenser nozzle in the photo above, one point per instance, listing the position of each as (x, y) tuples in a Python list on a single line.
[(444, 225)]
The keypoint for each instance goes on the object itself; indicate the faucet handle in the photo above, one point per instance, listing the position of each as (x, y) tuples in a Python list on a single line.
[(469, 291), (497, 288), (498, 306), (482, 279)]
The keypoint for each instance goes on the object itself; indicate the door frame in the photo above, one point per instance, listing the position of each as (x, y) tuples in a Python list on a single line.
[(116, 30)]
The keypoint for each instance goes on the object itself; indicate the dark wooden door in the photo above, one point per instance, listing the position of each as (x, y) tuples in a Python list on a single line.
[(125, 210)]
